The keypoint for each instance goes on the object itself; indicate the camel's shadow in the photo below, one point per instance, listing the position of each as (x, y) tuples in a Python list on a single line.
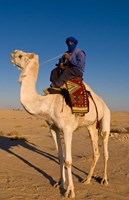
[(7, 144)]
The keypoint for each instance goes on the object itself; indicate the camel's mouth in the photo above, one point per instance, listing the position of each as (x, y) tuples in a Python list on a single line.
[(13, 60)]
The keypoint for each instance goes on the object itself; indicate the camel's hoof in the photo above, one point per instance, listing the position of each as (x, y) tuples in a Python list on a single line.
[(86, 181), (59, 184), (104, 182), (56, 185), (69, 194), (46, 91)]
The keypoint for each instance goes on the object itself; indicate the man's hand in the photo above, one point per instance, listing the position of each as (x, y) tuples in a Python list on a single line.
[(67, 55), (62, 66)]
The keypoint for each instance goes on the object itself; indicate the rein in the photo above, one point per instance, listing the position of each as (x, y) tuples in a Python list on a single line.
[(49, 60)]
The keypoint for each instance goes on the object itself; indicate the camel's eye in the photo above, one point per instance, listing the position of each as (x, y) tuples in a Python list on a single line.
[(20, 56)]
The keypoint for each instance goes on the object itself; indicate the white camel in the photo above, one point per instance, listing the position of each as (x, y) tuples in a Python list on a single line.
[(60, 118)]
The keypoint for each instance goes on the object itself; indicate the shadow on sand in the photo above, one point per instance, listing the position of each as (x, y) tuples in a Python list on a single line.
[(7, 144)]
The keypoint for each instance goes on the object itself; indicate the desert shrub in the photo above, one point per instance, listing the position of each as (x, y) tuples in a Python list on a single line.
[(18, 126), (115, 130), (1, 133), (44, 125), (118, 130), (15, 135), (127, 128)]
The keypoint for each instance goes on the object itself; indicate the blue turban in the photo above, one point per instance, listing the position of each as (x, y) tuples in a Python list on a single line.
[(71, 39)]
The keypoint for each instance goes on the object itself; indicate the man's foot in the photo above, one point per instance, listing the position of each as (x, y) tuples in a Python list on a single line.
[(46, 91), (52, 90)]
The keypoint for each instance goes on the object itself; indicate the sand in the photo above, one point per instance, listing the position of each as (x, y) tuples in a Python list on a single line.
[(29, 165)]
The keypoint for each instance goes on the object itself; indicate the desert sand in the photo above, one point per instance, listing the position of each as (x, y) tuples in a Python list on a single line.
[(29, 165)]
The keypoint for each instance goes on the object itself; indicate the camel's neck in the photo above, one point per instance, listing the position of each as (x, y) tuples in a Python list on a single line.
[(28, 95)]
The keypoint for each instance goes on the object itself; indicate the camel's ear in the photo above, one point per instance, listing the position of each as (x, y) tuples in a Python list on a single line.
[(31, 55)]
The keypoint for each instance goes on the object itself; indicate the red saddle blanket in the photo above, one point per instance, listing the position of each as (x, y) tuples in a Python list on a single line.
[(78, 96)]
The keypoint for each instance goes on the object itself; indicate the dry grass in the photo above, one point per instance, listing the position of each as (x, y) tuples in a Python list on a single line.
[(15, 135), (44, 125), (127, 128), (120, 130), (1, 133)]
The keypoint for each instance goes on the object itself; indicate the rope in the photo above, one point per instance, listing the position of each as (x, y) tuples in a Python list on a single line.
[(51, 59)]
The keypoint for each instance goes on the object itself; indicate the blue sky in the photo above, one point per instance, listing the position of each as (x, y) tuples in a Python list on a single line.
[(41, 27)]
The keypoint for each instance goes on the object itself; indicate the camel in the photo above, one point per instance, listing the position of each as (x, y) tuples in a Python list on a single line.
[(59, 117)]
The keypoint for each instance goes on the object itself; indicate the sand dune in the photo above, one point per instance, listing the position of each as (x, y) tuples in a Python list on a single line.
[(29, 165)]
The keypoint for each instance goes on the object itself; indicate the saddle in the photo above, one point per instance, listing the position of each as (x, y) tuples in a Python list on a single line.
[(75, 95)]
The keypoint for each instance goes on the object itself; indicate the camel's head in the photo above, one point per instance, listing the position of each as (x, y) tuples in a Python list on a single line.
[(21, 59), (25, 62)]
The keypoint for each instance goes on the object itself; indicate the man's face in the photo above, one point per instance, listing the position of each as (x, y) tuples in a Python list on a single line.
[(70, 43)]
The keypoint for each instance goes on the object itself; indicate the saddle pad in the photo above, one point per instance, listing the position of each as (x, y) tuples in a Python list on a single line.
[(78, 96)]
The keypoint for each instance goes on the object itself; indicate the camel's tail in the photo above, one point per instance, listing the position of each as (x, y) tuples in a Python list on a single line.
[(97, 121), (104, 124)]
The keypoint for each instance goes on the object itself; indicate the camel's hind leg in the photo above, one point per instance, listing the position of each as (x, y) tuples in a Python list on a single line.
[(105, 149), (105, 130), (94, 138)]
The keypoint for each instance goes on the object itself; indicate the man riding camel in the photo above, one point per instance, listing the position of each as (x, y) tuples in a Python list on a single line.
[(71, 65)]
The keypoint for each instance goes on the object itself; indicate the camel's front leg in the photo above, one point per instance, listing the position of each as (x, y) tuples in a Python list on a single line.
[(94, 138), (68, 143), (56, 136)]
